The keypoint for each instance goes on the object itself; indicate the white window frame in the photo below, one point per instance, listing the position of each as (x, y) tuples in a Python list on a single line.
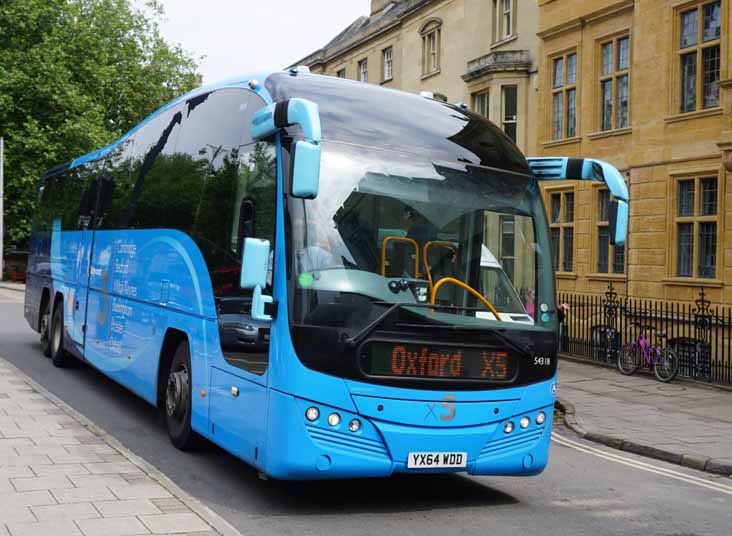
[(388, 61), (363, 70)]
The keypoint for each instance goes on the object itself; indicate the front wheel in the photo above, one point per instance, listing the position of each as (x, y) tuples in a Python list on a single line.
[(178, 400), (629, 359), (666, 366)]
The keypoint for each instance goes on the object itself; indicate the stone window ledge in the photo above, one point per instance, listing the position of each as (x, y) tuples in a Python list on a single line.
[(564, 141), (693, 282), (504, 41), (606, 277), (430, 74), (566, 275), (709, 112), (610, 133)]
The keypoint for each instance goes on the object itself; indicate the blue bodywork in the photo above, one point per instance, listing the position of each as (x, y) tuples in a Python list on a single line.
[(124, 292)]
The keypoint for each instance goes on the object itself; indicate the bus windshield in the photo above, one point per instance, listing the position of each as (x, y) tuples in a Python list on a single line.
[(392, 227)]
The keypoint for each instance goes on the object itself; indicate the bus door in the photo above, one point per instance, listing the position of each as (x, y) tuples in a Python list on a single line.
[(76, 302)]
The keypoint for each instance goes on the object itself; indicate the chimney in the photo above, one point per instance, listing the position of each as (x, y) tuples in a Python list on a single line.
[(378, 5)]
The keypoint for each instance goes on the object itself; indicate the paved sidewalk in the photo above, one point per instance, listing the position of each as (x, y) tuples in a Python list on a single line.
[(62, 475), (11, 285), (679, 422)]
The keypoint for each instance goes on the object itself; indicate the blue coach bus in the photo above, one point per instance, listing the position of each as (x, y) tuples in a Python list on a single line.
[(326, 278)]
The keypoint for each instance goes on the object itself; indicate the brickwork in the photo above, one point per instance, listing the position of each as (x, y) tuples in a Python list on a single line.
[(659, 147)]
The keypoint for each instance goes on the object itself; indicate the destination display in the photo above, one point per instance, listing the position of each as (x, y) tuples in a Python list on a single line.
[(428, 361)]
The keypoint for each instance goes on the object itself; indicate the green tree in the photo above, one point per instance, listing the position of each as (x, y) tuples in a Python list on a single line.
[(74, 76)]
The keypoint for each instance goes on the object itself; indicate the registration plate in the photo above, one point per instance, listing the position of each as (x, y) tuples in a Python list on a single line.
[(436, 460)]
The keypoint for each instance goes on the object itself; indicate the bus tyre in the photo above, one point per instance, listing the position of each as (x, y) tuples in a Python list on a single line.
[(178, 399), (56, 336), (45, 329)]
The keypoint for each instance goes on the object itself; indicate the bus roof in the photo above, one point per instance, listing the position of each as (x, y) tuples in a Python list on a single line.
[(368, 114)]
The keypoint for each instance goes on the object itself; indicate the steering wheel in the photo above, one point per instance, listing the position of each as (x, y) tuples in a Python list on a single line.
[(467, 287)]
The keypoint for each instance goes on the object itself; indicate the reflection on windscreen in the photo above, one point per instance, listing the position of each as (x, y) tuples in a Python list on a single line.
[(464, 230)]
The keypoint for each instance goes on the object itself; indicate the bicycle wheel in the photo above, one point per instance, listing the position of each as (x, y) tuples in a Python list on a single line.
[(666, 365), (629, 359)]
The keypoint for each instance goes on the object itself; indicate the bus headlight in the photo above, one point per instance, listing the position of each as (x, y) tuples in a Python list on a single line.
[(312, 413), (524, 422), (508, 428), (540, 418), (354, 425), (334, 419)]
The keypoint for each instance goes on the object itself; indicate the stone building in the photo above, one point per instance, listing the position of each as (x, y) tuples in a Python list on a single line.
[(479, 52), (645, 85)]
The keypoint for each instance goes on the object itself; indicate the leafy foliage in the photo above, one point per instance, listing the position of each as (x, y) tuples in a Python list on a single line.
[(74, 76)]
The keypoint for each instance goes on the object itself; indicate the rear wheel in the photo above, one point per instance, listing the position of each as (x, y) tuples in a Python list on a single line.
[(666, 366), (178, 400), (629, 359), (56, 335), (45, 329)]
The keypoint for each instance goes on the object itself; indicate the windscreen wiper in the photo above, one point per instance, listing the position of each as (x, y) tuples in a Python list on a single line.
[(366, 330)]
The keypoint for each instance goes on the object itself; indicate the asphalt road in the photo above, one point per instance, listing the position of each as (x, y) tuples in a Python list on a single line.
[(585, 490)]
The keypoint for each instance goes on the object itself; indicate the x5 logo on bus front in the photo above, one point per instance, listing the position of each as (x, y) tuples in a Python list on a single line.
[(448, 407)]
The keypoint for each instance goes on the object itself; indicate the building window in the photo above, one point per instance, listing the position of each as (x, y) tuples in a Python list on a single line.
[(388, 63), (431, 42), (610, 259), (481, 103), (508, 245), (363, 70), (700, 56), (341, 73), (696, 221), (614, 82), (562, 229), (564, 96), (510, 105), (504, 16)]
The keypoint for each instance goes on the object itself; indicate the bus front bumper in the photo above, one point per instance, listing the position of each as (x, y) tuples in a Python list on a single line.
[(303, 449)]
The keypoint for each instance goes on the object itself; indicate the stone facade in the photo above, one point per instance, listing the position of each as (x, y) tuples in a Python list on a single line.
[(479, 47), (672, 144)]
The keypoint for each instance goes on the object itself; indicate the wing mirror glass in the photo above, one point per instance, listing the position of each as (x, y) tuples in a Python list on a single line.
[(618, 223), (254, 270), (306, 170)]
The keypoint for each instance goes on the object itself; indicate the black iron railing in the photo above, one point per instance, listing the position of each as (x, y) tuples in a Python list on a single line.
[(596, 327)]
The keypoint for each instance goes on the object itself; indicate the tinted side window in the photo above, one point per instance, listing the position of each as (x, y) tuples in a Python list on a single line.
[(69, 197)]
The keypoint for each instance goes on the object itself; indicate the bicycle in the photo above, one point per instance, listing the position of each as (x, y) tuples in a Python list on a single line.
[(663, 361)]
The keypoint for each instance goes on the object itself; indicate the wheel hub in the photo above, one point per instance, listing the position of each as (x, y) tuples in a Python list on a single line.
[(176, 399)]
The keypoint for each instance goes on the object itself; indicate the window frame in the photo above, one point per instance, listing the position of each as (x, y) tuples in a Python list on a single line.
[(387, 76), (501, 30), (477, 96), (504, 118), (562, 225), (695, 220), (563, 90), (431, 33), (613, 77), (363, 70), (598, 224), (341, 71), (698, 49)]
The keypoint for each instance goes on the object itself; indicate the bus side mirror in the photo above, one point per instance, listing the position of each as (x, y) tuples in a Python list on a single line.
[(254, 270), (618, 222), (306, 170), (306, 160)]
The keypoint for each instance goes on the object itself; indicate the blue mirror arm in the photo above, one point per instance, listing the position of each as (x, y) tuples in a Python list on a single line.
[(565, 168), (268, 120), (259, 300)]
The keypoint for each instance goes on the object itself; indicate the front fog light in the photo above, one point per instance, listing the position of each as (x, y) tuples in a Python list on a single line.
[(524, 422), (312, 413), (334, 419), (508, 428), (540, 418), (354, 425)]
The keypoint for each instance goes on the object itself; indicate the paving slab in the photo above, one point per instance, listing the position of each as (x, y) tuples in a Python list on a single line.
[(61, 474), (681, 422)]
